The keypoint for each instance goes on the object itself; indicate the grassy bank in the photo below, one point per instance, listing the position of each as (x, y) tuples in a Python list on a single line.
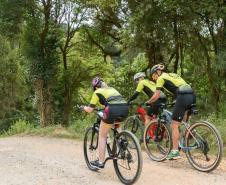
[(77, 129), (74, 131)]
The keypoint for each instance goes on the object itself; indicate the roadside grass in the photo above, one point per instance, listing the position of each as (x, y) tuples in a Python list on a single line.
[(77, 129), (220, 123)]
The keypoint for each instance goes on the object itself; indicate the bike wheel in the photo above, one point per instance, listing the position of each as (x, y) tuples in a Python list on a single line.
[(128, 163), (90, 147), (157, 140), (208, 147), (134, 125)]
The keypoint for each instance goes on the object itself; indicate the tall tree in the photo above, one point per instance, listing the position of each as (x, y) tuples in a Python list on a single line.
[(41, 42)]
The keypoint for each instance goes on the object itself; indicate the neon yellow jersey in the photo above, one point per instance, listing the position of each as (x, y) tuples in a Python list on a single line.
[(170, 81), (147, 87), (106, 95)]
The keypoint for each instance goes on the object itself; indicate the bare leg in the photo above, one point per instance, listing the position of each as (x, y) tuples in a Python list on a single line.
[(147, 119), (103, 132), (175, 134)]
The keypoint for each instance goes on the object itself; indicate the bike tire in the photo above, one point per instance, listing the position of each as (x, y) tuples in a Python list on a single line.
[(159, 153), (136, 148), (134, 125), (93, 134), (189, 156)]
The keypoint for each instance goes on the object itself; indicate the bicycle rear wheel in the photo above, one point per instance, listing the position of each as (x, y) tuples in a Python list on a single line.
[(157, 140), (134, 125), (208, 147), (90, 147), (128, 164)]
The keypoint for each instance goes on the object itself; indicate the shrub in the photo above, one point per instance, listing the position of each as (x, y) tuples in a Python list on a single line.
[(20, 126)]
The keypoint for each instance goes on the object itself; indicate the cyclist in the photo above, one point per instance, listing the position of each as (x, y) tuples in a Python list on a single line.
[(115, 109), (184, 96), (148, 88)]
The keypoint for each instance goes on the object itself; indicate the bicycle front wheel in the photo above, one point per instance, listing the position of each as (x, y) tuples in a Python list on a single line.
[(205, 146), (157, 140), (134, 125), (128, 164), (90, 147)]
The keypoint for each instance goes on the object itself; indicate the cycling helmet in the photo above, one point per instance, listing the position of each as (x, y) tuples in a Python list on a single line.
[(156, 68), (139, 75), (96, 82)]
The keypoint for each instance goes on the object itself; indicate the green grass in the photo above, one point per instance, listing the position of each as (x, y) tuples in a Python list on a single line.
[(20, 126), (220, 123), (75, 130)]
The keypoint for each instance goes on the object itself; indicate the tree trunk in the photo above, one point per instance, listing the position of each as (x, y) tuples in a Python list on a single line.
[(44, 103), (153, 53), (210, 73), (66, 93), (181, 60), (177, 46), (67, 107)]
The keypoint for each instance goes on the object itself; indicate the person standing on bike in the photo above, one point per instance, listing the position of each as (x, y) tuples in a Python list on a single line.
[(184, 96), (115, 109), (147, 87)]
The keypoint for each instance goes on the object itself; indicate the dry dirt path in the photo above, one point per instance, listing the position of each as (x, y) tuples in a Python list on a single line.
[(51, 161)]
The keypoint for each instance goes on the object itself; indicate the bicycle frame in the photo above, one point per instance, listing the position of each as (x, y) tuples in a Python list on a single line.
[(187, 131), (111, 151)]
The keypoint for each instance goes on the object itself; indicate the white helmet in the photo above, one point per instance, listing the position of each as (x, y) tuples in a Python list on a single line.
[(139, 75)]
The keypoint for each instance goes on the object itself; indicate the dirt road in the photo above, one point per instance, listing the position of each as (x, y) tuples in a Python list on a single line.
[(50, 161)]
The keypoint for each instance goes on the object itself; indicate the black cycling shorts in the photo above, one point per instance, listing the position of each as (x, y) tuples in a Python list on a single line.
[(183, 103), (115, 113), (154, 108)]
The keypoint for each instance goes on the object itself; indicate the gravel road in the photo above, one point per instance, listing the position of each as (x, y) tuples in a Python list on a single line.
[(52, 161)]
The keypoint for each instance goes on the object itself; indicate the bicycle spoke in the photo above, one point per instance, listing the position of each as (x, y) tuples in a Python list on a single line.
[(134, 125), (128, 163), (90, 147), (206, 156), (158, 141)]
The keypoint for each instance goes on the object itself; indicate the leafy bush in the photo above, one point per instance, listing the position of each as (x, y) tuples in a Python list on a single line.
[(20, 126)]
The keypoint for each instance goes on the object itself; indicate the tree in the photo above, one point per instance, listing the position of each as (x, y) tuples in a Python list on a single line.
[(41, 42)]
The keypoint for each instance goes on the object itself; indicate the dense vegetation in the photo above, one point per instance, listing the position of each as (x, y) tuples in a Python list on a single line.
[(51, 49)]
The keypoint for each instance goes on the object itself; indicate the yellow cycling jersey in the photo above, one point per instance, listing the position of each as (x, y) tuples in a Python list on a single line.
[(146, 86), (170, 81), (105, 96)]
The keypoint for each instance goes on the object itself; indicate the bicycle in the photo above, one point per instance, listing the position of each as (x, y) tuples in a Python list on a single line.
[(157, 135), (136, 123), (125, 151), (197, 141)]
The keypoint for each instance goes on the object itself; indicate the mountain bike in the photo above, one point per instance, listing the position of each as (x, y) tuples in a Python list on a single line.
[(157, 135), (201, 142), (136, 123), (124, 150)]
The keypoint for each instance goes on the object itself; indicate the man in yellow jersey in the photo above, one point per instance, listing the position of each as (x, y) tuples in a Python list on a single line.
[(148, 88), (184, 96), (115, 109)]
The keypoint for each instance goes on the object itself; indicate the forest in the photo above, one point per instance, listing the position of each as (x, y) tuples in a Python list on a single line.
[(51, 49)]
